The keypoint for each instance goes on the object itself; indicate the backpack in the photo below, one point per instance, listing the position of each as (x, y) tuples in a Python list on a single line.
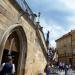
[(7, 69)]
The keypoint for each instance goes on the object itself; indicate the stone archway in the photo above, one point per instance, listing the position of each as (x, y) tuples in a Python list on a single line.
[(23, 46)]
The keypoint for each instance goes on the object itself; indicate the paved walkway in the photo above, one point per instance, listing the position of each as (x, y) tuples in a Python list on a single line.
[(70, 72)]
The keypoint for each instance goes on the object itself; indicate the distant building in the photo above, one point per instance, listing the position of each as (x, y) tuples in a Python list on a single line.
[(22, 37), (65, 46)]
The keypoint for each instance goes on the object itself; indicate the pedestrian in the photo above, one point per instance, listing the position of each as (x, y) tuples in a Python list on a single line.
[(63, 66), (66, 69), (8, 68), (60, 66), (69, 66), (47, 69)]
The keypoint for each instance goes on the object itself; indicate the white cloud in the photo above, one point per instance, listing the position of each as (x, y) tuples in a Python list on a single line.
[(55, 29), (71, 20), (47, 5), (53, 44), (71, 27), (69, 4)]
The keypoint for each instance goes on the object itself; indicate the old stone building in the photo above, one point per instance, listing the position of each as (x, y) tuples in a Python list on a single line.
[(20, 35), (65, 46)]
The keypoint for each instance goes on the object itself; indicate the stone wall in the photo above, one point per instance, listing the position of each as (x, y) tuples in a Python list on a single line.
[(10, 16)]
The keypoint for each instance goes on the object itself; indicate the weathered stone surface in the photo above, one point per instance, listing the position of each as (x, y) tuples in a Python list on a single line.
[(9, 16)]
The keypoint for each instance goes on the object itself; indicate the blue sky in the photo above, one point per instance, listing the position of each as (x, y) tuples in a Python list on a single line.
[(57, 16)]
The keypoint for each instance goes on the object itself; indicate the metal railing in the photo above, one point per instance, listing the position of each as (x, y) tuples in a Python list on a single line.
[(24, 6)]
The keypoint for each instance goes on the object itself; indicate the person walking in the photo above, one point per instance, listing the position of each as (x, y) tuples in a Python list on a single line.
[(47, 69), (8, 68)]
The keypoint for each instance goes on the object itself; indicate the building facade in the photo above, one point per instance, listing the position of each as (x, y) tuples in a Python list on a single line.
[(65, 46), (22, 37)]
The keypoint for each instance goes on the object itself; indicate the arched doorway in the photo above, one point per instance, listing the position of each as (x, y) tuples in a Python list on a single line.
[(18, 49), (13, 47)]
